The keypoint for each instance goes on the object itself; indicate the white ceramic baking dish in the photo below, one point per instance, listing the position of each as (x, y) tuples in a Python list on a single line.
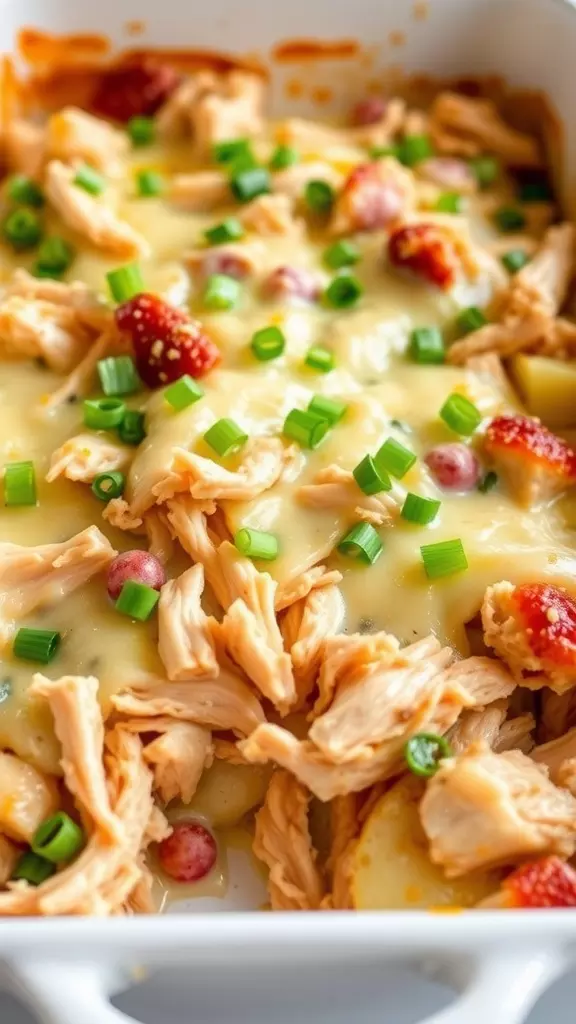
[(499, 963)]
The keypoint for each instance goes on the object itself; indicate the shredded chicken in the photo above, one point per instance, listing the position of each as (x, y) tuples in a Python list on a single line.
[(292, 181), (32, 577), (37, 329), (85, 456), (482, 809), (9, 856), (199, 191), (73, 135), (491, 726), (463, 126), (282, 841), (336, 488), (89, 217), (270, 215), (215, 108), (185, 642), (25, 146), (90, 311), (177, 756), (305, 627), (190, 523), (249, 256), (298, 587), (160, 540), (344, 829)]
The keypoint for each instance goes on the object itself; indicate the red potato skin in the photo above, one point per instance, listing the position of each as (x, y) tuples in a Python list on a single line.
[(139, 566), (189, 854), (291, 283), (368, 111), (454, 466), (134, 89)]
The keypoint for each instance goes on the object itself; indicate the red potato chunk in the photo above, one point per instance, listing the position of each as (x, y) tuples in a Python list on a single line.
[(189, 854)]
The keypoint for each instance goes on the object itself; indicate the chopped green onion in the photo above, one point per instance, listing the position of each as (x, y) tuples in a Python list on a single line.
[(19, 483), (268, 343), (36, 644), (32, 869), (377, 152), (361, 542), (450, 202), (320, 358), (283, 156), (118, 375), (183, 392), (394, 458), (419, 510), (488, 482), (149, 183), (109, 485), (58, 839), (88, 178), (103, 413), (247, 184), (424, 752), (137, 600), (371, 479), (221, 292), (343, 291), (414, 149), (319, 196), (231, 149), (486, 169), (24, 191), (132, 430), (427, 346), (22, 229), (341, 254), (536, 191), (470, 319), (327, 408), (306, 428), (514, 260), (125, 282), (141, 130), (225, 437), (229, 230), (460, 414), (510, 218), (444, 559), (54, 256), (257, 544)]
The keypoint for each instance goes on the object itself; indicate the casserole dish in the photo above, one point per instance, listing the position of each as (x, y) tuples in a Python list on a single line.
[(443, 38)]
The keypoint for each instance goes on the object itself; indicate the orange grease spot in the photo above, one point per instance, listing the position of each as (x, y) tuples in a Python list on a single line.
[(420, 10), (322, 94), (294, 89), (135, 28), (397, 39), (41, 48), (294, 50)]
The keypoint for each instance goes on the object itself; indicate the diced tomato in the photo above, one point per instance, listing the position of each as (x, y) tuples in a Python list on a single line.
[(548, 614), (189, 854), (547, 882), (132, 89), (425, 250), (140, 566), (533, 443), (167, 342)]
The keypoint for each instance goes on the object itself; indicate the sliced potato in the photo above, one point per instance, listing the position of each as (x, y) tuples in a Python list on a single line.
[(229, 791), (548, 388), (27, 797), (392, 870)]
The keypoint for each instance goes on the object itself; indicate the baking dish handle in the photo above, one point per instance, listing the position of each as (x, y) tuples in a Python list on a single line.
[(500, 987)]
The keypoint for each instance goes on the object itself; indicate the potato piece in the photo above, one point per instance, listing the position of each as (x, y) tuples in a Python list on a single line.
[(548, 388), (392, 870), (26, 797), (228, 791)]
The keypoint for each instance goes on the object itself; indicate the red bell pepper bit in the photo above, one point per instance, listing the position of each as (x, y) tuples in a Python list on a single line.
[(426, 250), (134, 89), (548, 615), (539, 464), (167, 343), (547, 882)]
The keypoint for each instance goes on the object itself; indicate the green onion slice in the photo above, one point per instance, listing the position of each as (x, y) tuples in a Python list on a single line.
[(370, 478), (225, 437), (221, 292), (88, 178), (414, 149), (247, 184), (132, 429), (32, 869), (22, 229), (536, 190), (257, 544), (319, 196), (58, 839), (125, 282), (343, 291), (229, 230), (361, 542), (231, 149), (488, 482), (137, 600), (394, 458), (149, 183), (141, 130), (378, 152), (450, 202), (25, 191), (510, 218), (327, 408), (183, 392), (283, 156), (444, 558), (460, 414), (486, 170), (306, 428), (320, 358), (54, 256), (36, 644), (118, 375), (514, 260), (424, 752), (470, 319), (419, 510), (268, 343), (427, 346), (341, 254), (103, 413), (19, 483), (109, 485)]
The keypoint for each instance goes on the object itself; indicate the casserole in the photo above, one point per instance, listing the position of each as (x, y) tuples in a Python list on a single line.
[(462, 36)]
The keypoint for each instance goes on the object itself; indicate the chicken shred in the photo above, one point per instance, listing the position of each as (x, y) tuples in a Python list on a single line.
[(463, 126), (344, 829), (336, 488), (305, 627), (203, 478), (185, 642), (177, 756), (271, 215), (37, 329), (9, 856), (282, 841), (199, 191), (215, 108), (298, 587), (73, 135), (85, 456)]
